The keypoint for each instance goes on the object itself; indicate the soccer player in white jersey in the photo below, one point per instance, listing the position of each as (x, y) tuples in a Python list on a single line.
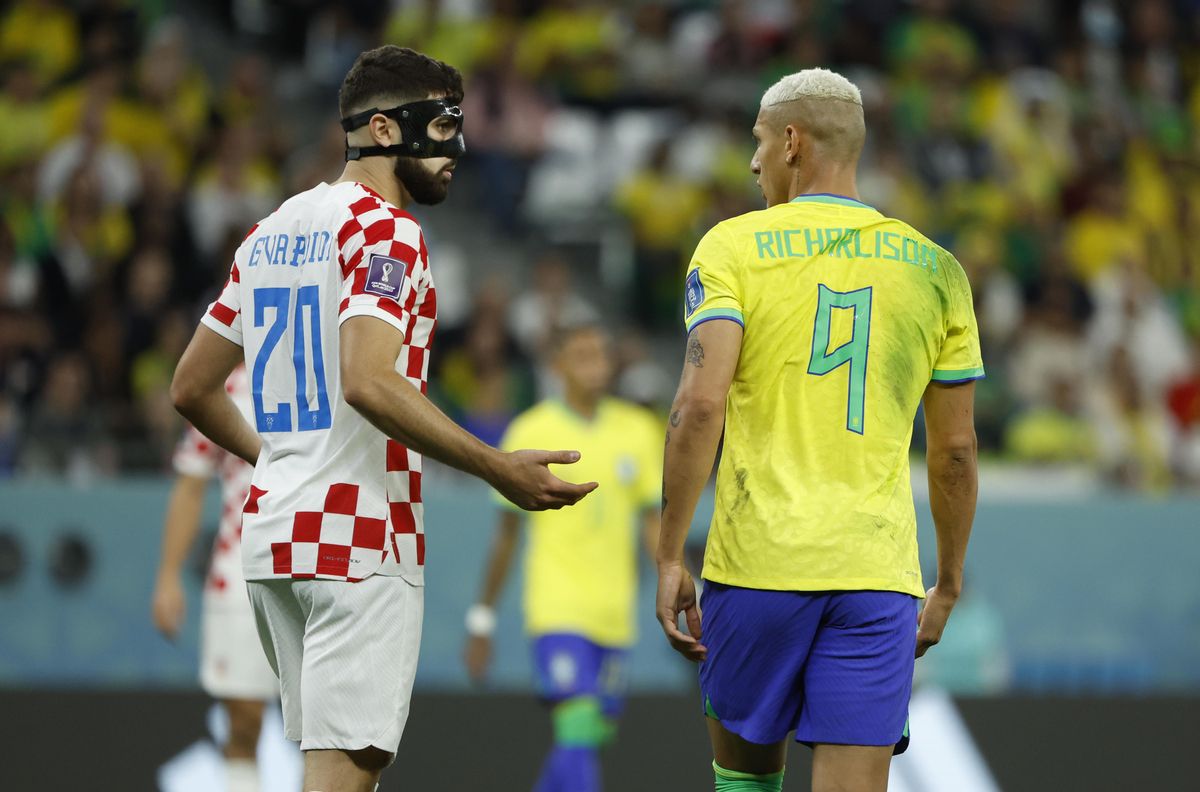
[(233, 668), (331, 304)]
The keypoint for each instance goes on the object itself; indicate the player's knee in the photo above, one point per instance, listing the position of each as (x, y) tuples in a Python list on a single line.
[(245, 723), (578, 722)]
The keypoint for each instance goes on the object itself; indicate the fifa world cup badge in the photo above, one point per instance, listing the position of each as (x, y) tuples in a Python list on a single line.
[(379, 276)]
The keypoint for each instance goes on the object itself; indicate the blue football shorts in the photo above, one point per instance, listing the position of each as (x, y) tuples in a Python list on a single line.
[(833, 666), (568, 666)]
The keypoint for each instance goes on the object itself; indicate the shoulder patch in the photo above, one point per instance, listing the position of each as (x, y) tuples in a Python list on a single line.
[(385, 276), (693, 291)]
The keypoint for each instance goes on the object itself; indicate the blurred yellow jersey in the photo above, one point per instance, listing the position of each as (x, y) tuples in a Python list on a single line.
[(848, 315), (581, 561)]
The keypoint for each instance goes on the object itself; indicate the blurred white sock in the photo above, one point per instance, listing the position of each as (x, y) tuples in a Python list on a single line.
[(241, 775)]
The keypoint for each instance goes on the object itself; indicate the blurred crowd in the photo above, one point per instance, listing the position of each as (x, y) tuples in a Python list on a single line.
[(1051, 146)]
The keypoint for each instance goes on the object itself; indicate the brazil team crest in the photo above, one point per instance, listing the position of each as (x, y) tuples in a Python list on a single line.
[(693, 291)]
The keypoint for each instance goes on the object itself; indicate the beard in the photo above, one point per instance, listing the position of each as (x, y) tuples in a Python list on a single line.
[(425, 188)]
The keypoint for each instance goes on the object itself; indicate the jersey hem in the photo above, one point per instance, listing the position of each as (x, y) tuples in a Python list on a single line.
[(534, 634), (815, 584), (221, 329)]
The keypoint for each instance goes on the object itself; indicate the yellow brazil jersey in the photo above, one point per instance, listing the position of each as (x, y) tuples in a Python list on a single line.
[(847, 316), (581, 561)]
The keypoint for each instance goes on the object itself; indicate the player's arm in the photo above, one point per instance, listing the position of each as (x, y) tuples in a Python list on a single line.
[(198, 392), (371, 385), (481, 619), (953, 486), (694, 431), (180, 527)]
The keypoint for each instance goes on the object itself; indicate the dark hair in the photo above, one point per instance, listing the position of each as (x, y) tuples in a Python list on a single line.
[(561, 334), (398, 74)]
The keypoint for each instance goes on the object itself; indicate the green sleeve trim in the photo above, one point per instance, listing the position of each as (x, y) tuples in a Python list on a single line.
[(732, 314), (957, 375)]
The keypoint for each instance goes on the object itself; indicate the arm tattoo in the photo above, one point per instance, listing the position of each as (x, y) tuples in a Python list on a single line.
[(674, 420), (695, 353)]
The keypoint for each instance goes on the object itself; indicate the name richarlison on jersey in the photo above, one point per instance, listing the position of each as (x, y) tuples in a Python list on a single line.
[(281, 249), (848, 243)]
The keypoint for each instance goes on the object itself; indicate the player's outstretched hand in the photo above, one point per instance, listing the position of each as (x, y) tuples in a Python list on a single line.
[(478, 656), (932, 621), (525, 479), (168, 607), (677, 594)]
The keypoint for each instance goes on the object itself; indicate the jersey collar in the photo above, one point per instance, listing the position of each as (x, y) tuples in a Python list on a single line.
[(830, 198)]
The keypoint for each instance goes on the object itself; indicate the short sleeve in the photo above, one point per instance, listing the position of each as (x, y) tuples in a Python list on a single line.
[(382, 251), (650, 467), (196, 455), (959, 359), (711, 289), (224, 315)]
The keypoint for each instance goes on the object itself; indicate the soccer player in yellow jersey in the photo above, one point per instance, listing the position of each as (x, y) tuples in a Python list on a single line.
[(815, 329), (581, 563)]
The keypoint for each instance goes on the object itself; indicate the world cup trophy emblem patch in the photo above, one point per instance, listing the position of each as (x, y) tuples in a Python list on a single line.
[(385, 276)]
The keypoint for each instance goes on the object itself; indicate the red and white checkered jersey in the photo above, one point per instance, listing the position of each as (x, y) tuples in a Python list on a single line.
[(332, 497), (196, 455)]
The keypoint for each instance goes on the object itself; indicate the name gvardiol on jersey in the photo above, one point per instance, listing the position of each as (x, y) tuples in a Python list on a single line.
[(332, 496)]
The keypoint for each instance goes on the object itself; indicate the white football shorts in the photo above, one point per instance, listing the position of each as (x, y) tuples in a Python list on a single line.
[(232, 663), (346, 655)]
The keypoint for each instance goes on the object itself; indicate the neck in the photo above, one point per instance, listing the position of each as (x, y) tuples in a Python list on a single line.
[(377, 173), (837, 180), (581, 402)]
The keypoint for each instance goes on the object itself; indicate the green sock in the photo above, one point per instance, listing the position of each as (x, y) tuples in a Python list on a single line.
[(733, 781)]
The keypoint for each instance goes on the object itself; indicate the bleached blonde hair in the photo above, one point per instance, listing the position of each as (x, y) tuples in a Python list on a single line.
[(812, 84)]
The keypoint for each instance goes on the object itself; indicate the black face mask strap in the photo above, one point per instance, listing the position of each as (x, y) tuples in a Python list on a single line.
[(413, 119), (351, 123)]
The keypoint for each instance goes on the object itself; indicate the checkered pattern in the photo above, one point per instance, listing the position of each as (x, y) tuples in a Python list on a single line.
[(334, 542), (346, 503), (227, 308), (405, 508), (196, 455)]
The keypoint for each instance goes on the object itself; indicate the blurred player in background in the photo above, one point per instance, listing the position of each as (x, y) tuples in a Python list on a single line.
[(233, 667), (331, 304), (815, 329), (580, 564)]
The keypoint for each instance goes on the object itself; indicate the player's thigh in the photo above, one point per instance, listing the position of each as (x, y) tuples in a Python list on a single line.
[(851, 768), (859, 675), (360, 657), (280, 622), (733, 753), (758, 643)]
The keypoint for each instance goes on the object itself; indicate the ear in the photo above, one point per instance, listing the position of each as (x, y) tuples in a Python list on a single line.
[(384, 131), (793, 145)]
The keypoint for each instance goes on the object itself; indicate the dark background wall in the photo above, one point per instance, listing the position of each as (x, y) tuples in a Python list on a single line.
[(115, 740)]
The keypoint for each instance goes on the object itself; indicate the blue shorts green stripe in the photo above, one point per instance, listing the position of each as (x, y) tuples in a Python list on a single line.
[(957, 375), (732, 314)]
